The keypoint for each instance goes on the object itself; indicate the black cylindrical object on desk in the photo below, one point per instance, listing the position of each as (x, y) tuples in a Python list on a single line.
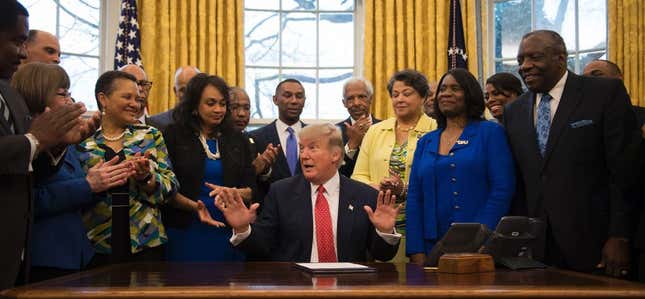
[(120, 227)]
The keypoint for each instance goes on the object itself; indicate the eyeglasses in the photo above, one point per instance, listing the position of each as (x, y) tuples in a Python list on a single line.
[(145, 84)]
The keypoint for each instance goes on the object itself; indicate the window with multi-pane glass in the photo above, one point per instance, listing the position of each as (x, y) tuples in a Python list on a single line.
[(308, 40), (76, 24), (581, 23)]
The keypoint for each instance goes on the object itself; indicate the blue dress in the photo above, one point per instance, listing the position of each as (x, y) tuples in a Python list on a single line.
[(200, 242)]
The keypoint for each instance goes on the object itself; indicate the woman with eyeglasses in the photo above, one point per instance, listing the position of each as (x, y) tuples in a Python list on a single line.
[(501, 89), (462, 172), (209, 155), (59, 243), (388, 147), (125, 224)]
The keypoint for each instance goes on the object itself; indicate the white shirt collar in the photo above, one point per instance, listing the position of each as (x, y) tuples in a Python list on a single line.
[(331, 186), (281, 126), (353, 121), (558, 89), (556, 94)]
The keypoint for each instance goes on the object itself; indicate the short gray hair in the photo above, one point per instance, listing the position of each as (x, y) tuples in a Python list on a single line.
[(332, 132), (368, 85), (181, 69), (234, 91)]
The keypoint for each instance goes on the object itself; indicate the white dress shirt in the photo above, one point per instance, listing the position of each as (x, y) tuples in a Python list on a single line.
[(556, 95), (283, 134), (332, 193)]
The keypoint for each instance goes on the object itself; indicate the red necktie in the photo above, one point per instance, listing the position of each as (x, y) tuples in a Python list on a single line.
[(324, 233)]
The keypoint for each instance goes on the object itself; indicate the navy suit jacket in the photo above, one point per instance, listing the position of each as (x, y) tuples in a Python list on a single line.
[(348, 168), (280, 169), (59, 238), (577, 186), (284, 230)]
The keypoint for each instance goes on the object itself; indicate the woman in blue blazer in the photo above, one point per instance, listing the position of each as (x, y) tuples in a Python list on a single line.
[(59, 243), (461, 172)]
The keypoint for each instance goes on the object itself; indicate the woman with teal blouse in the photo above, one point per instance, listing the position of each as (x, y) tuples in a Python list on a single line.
[(462, 172), (125, 224)]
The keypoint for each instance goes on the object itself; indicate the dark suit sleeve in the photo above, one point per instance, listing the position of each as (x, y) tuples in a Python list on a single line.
[(248, 174), (170, 136), (618, 127), (15, 154), (380, 249), (264, 232)]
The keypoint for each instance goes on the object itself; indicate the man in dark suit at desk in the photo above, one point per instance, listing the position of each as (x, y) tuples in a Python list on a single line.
[(357, 98), (21, 141), (318, 216), (283, 132), (568, 135)]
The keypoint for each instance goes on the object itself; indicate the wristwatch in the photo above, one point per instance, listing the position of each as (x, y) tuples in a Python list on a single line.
[(350, 152)]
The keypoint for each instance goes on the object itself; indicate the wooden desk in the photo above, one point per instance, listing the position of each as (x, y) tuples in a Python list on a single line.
[(280, 280)]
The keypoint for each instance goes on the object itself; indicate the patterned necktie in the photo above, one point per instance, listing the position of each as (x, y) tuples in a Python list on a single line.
[(292, 151), (6, 114), (324, 233), (543, 123)]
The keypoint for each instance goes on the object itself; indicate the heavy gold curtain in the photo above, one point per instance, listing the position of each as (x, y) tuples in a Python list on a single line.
[(626, 22), (414, 34), (207, 34)]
